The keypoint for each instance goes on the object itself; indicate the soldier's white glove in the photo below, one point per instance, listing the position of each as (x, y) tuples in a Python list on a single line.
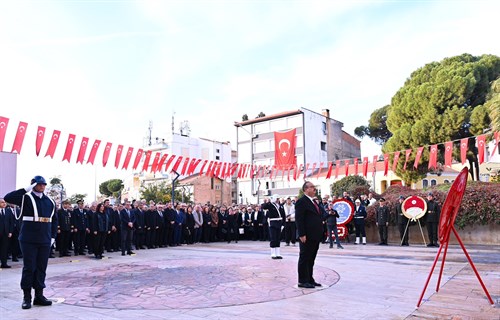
[(282, 227), (29, 188), (52, 241)]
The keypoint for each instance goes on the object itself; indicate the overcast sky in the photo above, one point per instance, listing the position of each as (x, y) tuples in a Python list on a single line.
[(104, 69)]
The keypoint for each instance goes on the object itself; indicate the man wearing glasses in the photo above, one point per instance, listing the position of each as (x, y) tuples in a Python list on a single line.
[(308, 218)]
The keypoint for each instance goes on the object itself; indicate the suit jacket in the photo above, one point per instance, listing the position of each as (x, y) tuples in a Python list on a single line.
[(125, 218), (308, 220), (7, 222)]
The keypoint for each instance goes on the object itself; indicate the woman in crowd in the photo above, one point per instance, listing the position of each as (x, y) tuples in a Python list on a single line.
[(101, 230), (207, 224)]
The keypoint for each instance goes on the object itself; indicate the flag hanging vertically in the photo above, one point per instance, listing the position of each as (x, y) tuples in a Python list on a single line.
[(18, 141), (448, 151), (93, 151), (481, 141), (105, 154), (4, 122), (433, 156), (395, 161), (69, 148), (126, 162), (118, 155), (40, 134), (417, 156), (464, 144), (83, 149), (284, 148), (53, 143)]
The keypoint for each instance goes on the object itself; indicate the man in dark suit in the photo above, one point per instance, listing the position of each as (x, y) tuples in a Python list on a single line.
[(127, 218), (6, 230), (309, 221), (64, 229), (78, 221)]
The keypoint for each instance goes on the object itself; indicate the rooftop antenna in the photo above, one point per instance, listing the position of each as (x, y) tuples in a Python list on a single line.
[(150, 128), (173, 126)]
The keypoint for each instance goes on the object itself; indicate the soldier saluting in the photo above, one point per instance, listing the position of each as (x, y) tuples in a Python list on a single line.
[(38, 232)]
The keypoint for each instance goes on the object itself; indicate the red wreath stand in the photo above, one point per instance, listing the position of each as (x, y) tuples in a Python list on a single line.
[(446, 225)]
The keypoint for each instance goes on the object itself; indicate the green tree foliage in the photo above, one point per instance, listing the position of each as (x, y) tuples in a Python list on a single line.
[(437, 104), (377, 127), (112, 187), (492, 105), (244, 117), (162, 192), (54, 181), (261, 115), (349, 184), (76, 197)]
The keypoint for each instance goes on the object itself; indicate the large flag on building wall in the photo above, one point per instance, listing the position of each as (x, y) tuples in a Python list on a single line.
[(284, 148)]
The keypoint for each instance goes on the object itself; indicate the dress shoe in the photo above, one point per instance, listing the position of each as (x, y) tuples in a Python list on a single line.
[(331, 246), (279, 257), (274, 257), (430, 245), (26, 299), (130, 253), (340, 247), (306, 285), (123, 253), (316, 284), (40, 300), (15, 260), (4, 266)]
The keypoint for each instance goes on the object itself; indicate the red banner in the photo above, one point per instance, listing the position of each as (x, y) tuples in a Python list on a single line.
[(374, 165), (497, 140), (93, 151), (118, 155), (365, 166), (18, 141), (177, 164), (203, 166), (194, 163), (185, 166), (464, 144), (481, 141), (337, 168), (407, 153), (105, 154), (284, 148), (154, 166), (69, 148), (417, 157), (137, 159), (127, 158), (386, 164), (145, 165), (4, 123), (346, 164), (395, 161), (211, 164), (53, 143), (356, 166), (40, 134), (161, 162), (305, 170), (448, 151), (169, 162), (433, 156), (330, 167), (83, 149)]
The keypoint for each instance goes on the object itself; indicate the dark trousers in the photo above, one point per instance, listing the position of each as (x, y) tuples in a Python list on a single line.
[(265, 233), (206, 233), (160, 237), (79, 241), (404, 237), (333, 228), (139, 239), (126, 240), (290, 232), (4, 245), (382, 232), (99, 240), (432, 231), (257, 232), (150, 237), (177, 234), (360, 228), (213, 234), (35, 260), (307, 255), (63, 242), (274, 235)]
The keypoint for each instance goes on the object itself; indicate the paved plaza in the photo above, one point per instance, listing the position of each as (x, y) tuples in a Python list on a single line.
[(241, 281)]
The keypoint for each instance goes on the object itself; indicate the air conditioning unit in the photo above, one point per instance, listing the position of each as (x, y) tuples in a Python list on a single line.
[(266, 192)]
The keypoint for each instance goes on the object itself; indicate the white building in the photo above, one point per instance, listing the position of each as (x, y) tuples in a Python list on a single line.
[(319, 139)]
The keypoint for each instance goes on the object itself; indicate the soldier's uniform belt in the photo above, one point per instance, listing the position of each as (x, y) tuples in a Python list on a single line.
[(359, 217), (430, 211), (275, 219), (39, 219)]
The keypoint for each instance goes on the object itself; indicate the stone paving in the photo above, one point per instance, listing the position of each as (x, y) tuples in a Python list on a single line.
[(222, 281)]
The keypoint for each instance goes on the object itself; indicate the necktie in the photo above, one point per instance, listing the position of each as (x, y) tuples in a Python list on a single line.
[(3, 212), (316, 205)]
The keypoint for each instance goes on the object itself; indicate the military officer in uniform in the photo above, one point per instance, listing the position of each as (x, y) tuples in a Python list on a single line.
[(38, 233), (276, 218), (402, 221), (432, 220), (382, 220)]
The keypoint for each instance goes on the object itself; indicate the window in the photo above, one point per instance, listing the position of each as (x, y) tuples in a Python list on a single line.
[(217, 158), (323, 146), (217, 150), (425, 183), (446, 181), (212, 183), (433, 182), (217, 187), (323, 126)]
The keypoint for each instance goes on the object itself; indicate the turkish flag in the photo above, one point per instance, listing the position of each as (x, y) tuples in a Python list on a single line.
[(69, 148), (330, 167), (408, 152), (118, 157), (374, 164), (216, 165), (386, 164), (222, 173), (229, 167), (203, 166), (145, 165), (4, 122), (161, 162), (417, 157), (53, 143), (105, 154), (319, 170), (305, 170), (481, 141), (395, 161), (433, 156), (40, 134), (177, 164), (169, 161), (83, 149), (365, 166), (128, 156), (233, 169), (448, 151), (137, 159), (337, 168), (284, 148), (346, 164), (93, 151), (18, 141), (464, 144), (356, 166), (211, 164), (195, 162), (497, 140), (154, 166), (185, 166)]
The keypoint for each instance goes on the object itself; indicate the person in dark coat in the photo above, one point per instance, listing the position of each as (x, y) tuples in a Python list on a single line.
[(37, 235), (79, 228), (102, 228), (432, 220), (6, 231), (331, 224), (309, 221), (382, 220), (359, 221), (276, 219), (64, 229), (127, 219), (402, 222)]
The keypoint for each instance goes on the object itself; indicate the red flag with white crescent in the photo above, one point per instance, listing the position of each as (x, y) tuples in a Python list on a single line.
[(433, 156), (203, 166), (408, 152), (93, 151), (448, 151), (53, 143), (211, 164), (69, 148), (4, 122), (228, 169), (365, 166), (464, 144), (330, 167), (481, 141), (284, 148), (118, 156), (305, 170), (169, 161), (234, 168), (374, 165), (222, 173), (185, 166), (18, 141), (313, 168), (137, 159), (156, 160), (216, 169), (337, 168), (40, 134), (386, 164), (356, 166), (83, 149), (395, 161), (297, 171), (346, 164), (417, 157), (105, 154), (497, 140), (193, 165), (177, 164), (319, 170), (128, 156), (161, 162), (147, 158)]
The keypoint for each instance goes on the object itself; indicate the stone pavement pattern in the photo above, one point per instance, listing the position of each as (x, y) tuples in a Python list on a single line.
[(222, 281)]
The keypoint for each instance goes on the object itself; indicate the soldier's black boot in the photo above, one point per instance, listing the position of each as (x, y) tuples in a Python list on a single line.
[(40, 300), (26, 299)]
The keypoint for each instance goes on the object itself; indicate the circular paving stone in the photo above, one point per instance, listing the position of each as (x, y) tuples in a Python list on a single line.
[(184, 283)]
